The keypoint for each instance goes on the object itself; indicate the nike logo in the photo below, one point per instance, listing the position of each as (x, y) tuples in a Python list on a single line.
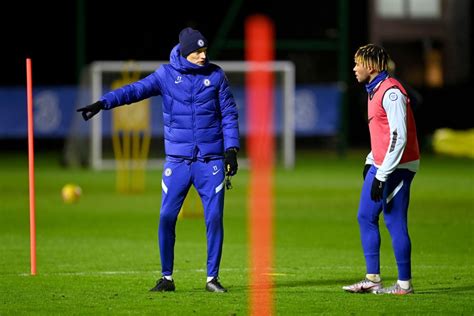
[(216, 172), (370, 119), (179, 79)]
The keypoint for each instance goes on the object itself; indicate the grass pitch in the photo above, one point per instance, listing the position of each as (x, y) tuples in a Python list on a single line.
[(100, 256)]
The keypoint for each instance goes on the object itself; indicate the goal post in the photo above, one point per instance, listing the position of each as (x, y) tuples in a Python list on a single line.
[(101, 73)]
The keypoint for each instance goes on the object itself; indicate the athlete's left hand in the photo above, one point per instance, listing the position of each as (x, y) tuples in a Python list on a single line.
[(230, 161), (377, 190)]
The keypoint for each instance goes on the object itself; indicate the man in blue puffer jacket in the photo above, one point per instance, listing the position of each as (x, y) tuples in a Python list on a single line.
[(201, 135)]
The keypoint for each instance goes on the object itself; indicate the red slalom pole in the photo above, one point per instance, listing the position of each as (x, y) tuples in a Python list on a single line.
[(259, 48), (31, 164)]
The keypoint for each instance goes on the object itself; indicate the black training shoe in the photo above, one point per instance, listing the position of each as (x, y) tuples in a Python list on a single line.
[(163, 285), (215, 286)]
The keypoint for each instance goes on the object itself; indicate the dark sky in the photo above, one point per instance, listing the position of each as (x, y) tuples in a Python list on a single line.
[(147, 30)]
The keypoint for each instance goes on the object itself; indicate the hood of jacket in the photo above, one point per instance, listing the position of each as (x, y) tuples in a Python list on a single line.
[(183, 65)]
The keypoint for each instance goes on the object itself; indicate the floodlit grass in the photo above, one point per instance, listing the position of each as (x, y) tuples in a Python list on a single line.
[(100, 256)]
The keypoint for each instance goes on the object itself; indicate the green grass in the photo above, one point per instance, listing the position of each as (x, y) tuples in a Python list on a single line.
[(100, 256)]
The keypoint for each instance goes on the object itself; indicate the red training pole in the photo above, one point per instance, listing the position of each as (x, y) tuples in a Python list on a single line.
[(31, 164), (259, 48)]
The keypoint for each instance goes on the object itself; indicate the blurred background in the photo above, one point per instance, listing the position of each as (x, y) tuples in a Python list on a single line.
[(430, 42)]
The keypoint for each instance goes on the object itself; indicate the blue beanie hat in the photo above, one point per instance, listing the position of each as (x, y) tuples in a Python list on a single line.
[(191, 40)]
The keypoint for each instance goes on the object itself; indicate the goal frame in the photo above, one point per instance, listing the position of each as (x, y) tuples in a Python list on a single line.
[(98, 68)]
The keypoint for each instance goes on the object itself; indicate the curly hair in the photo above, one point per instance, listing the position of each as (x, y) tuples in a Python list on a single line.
[(372, 56)]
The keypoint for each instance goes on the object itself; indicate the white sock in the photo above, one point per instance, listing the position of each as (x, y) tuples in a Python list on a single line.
[(168, 277), (373, 277), (209, 279), (404, 284)]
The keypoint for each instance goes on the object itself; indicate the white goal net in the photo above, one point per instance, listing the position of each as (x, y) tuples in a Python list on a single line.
[(101, 76)]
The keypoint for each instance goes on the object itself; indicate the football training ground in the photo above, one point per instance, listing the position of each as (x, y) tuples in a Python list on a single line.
[(100, 256)]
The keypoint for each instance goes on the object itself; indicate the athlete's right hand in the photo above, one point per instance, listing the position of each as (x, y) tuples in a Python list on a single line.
[(366, 169), (89, 111)]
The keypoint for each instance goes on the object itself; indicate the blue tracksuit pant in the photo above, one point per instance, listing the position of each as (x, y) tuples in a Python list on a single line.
[(395, 208), (208, 179)]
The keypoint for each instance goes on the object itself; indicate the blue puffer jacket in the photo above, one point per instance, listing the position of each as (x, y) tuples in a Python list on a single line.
[(199, 112)]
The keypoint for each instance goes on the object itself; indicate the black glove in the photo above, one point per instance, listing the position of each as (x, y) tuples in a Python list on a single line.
[(377, 190), (89, 111), (366, 169), (230, 161)]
